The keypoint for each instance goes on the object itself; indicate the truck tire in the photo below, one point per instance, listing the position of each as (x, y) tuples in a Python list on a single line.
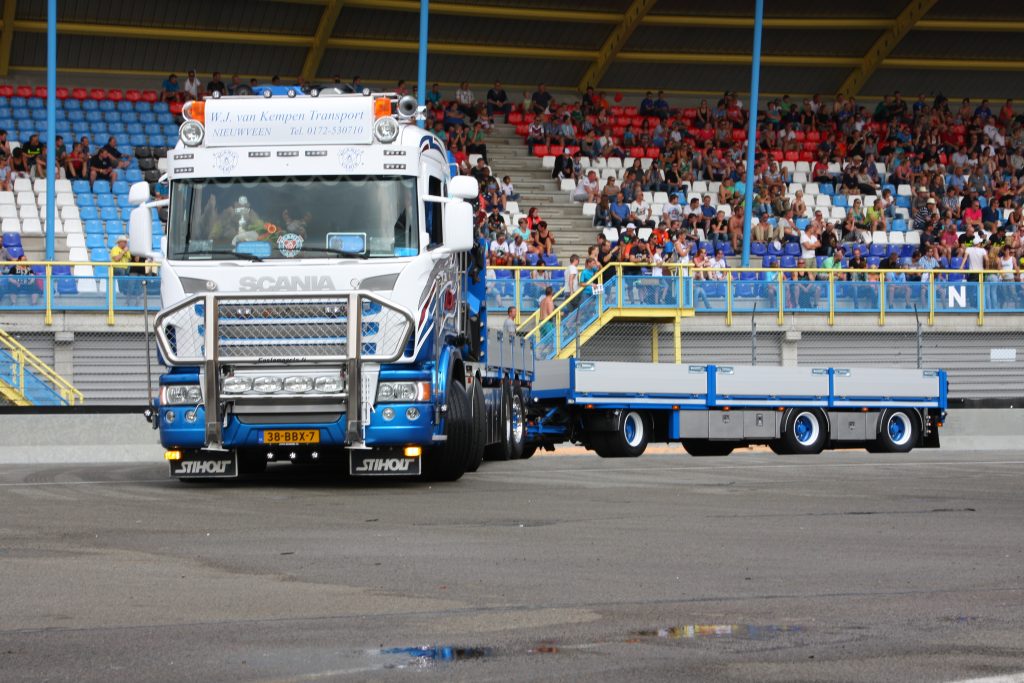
[(779, 448), (630, 438), (804, 431), (517, 416), (500, 450), (448, 462), (700, 448), (898, 431), (479, 428), (528, 451)]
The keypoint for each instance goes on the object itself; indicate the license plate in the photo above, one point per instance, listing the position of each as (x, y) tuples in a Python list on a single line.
[(370, 464), (206, 465), (290, 437)]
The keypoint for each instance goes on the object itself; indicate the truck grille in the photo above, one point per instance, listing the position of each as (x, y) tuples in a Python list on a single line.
[(274, 328)]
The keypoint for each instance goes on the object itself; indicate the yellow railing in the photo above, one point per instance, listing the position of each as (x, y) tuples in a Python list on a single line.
[(105, 271), (27, 362)]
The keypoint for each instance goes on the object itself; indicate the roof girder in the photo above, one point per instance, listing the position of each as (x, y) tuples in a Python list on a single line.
[(615, 41)]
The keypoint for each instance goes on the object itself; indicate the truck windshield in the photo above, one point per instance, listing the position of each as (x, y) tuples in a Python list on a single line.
[(285, 218)]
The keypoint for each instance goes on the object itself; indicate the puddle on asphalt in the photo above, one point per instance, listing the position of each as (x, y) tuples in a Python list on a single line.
[(427, 656), (741, 631)]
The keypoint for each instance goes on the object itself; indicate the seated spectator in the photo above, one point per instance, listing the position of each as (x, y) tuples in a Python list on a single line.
[(533, 218), (518, 250), (465, 101), (603, 214), (763, 231), (497, 100), (619, 210), (170, 90), (588, 189), (545, 238), (192, 89), (21, 283), (564, 166), (38, 170), (216, 85), (32, 149), (521, 228), (102, 167), (640, 212), (19, 164), (541, 101), (115, 154), (495, 222), (5, 147), (610, 189), (499, 254), (508, 189), (672, 213)]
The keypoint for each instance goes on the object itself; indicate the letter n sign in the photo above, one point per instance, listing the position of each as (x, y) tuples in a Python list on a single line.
[(957, 297)]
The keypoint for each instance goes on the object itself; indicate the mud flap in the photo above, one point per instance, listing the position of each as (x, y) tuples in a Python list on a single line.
[(205, 465)]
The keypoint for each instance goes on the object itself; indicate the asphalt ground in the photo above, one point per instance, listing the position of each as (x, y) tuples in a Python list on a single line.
[(840, 567)]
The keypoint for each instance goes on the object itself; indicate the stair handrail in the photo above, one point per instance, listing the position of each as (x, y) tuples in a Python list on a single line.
[(25, 359)]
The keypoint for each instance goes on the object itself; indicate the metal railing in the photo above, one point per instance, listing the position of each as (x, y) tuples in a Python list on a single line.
[(53, 286), (29, 381)]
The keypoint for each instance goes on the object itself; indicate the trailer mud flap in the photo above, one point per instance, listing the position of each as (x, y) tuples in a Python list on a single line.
[(205, 465), (370, 464)]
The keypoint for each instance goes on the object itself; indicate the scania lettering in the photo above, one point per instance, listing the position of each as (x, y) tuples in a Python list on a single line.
[(311, 286)]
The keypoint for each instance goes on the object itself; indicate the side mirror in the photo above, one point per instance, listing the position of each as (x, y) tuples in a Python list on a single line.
[(138, 193), (140, 230), (464, 187), (458, 225)]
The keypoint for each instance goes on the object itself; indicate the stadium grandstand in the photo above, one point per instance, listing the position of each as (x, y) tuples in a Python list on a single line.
[(888, 167)]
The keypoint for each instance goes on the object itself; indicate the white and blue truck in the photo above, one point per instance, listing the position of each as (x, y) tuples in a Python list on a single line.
[(323, 299)]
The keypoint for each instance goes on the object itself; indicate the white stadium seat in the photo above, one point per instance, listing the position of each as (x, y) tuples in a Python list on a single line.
[(72, 225), (913, 237), (6, 198), (10, 225), (22, 185), (27, 211), (8, 211), (62, 185), (822, 200), (590, 209), (904, 190), (699, 186), (67, 212), (614, 162), (567, 185), (26, 198), (803, 167), (812, 188), (547, 162), (76, 240), (31, 226), (660, 198), (879, 237), (897, 238), (512, 207), (611, 234)]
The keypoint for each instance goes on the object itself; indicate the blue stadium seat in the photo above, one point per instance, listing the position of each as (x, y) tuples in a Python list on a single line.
[(903, 202), (107, 105), (147, 117), (802, 223), (125, 106), (85, 199), (774, 249), (726, 248), (110, 213), (895, 249), (134, 129), (72, 105), (157, 243), (21, 113), (112, 239), (36, 103), (873, 261), (907, 251), (899, 225), (99, 254), (11, 239), (7, 124), (791, 249), (38, 115), (164, 117), (93, 227), (116, 127), (101, 187), (840, 201), (112, 116), (788, 261), (550, 260), (16, 252), (138, 139), (133, 175), (171, 130), (141, 106), (80, 187), (120, 187), (906, 262), (94, 241), (93, 116), (105, 200), (64, 283), (126, 215), (122, 201), (19, 102), (88, 213), (878, 250), (115, 227), (826, 188), (758, 249)]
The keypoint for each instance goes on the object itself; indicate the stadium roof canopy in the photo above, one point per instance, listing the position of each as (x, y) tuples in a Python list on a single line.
[(866, 48)]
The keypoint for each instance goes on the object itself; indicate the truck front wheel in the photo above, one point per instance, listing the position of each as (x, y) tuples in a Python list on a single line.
[(448, 462), (479, 427)]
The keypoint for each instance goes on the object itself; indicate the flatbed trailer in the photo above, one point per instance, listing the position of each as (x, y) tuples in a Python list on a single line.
[(618, 408)]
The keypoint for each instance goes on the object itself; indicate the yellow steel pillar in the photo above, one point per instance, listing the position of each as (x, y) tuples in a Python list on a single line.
[(677, 339), (323, 33), (7, 36), (615, 41), (901, 25), (654, 343)]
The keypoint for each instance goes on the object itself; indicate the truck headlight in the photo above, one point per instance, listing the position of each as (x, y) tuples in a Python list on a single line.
[(181, 395), (403, 392), (267, 385), (192, 133), (236, 385), (298, 385), (386, 129), (327, 385)]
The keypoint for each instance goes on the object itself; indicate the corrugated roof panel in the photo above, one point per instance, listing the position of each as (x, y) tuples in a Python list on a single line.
[(84, 52), (990, 9), (387, 66), (592, 5), (955, 85), (719, 78), (781, 8), (960, 45), (366, 23), (740, 41), (227, 15)]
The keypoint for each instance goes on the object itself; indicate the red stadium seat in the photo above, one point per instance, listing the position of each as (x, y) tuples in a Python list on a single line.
[(624, 120), (115, 94), (792, 156), (616, 111), (98, 94), (63, 93), (814, 136), (40, 91), (799, 135), (24, 91), (175, 108), (636, 121), (540, 151), (522, 130), (636, 152), (777, 155), (573, 149), (515, 117), (805, 156), (150, 96), (618, 131), (80, 94), (132, 95), (690, 113), (6, 91), (652, 153), (810, 146), (630, 111)]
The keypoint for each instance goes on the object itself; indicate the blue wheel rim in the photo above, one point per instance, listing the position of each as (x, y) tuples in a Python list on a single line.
[(896, 430), (803, 429), (630, 430)]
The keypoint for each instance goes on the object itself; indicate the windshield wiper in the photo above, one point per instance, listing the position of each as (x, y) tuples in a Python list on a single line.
[(338, 252), (222, 252)]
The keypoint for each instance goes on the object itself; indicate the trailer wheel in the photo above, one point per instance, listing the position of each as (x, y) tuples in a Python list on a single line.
[(703, 447), (898, 432), (517, 419), (500, 450), (448, 462), (779, 448), (479, 428), (804, 431), (630, 438)]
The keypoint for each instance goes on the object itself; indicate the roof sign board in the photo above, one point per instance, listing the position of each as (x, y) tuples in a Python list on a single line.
[(234, 122)]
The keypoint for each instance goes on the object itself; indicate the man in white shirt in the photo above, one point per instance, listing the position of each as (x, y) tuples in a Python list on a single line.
[(673, 213), (499, 251), (640, 211), (588, 189), (192, 87), (518, 250), (693, 207), (809, 243), (572, 275), (975, 257)]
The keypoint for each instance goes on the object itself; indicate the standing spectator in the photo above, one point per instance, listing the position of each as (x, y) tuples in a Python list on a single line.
[(547, 303), (572, 273), (976, 256)]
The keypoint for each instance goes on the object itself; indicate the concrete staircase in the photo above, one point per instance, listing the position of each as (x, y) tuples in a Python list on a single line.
[(507, 155)]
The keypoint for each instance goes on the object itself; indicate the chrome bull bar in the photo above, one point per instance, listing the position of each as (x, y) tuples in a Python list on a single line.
[(210, 330)]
